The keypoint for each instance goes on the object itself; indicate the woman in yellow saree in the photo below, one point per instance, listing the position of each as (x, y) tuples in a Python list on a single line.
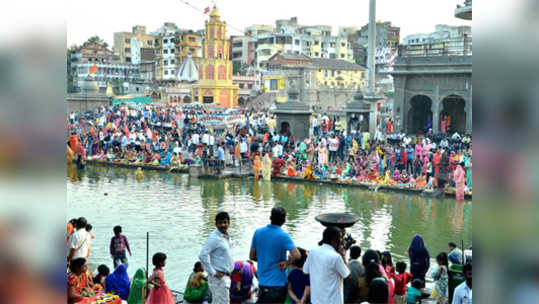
[(266, 167)]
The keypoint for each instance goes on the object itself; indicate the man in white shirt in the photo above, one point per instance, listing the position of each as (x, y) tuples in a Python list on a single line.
[(216, 258), (463, 292), (206, 138), (195, 139), (327, 269), (243, 148), (79, 241)]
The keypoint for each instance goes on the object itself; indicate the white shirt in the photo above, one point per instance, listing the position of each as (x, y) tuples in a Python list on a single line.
[(206, 138), (327, 271), (462, 294), (195, 139), (212, 140), (79, 241), (243, 147), (216, 254), (333, 144)]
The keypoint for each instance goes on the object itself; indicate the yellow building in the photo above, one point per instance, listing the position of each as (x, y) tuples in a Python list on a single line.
[(214, 84), (337, 73), (122, 42), (188, 45)]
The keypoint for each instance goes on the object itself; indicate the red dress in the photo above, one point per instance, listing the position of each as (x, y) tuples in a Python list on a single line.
[(161, 294)]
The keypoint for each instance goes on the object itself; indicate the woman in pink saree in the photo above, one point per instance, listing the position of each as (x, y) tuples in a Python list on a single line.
[(459, 179)]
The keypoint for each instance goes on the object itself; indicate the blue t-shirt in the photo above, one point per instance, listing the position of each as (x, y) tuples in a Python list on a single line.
[(271, 243), (299, 281), (220, 154), (413, 295)]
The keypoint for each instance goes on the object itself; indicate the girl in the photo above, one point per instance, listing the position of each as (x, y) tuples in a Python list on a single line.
[(160, 293), (440, 279), (197, 285)]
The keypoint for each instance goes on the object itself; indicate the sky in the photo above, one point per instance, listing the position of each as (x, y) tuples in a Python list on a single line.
[(104, 17)]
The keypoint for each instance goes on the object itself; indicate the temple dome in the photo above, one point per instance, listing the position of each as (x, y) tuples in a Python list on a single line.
[(215, 12), (188, 70), (90, 85)]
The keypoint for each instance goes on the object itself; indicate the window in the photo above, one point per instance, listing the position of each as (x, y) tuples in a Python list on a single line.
[(192, 39), (209, 72), (339, 72), (166, 72), (273, 84), (222, 72), (127, 50), (127, 40), (171, 61), (296, 52), (127, 59), (316, 42), (332, 73), (343, 43), (249, 86), (342, 55), (149, 42), (171, 72), (332, 56), (325, 73), (172, 51), (156, 42), (171, 40), (296, 42), (241, 85), (165, 40), (191, 50), (316, 54), (165, 62), (165, 51)]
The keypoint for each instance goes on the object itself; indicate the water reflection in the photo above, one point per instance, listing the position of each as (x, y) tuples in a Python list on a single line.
[(179, 212)]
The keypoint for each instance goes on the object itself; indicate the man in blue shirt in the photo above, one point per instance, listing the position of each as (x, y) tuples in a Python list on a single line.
[(268, 248), (220, 157)]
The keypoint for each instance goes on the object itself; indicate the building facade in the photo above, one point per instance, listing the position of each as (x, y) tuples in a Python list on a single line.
[(444, 41), (123, 42), (214, 84)]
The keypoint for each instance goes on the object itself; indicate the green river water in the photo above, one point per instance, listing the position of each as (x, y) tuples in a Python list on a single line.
[(178, 211)]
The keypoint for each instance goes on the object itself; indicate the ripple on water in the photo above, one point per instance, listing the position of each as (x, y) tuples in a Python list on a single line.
[(178, 212)]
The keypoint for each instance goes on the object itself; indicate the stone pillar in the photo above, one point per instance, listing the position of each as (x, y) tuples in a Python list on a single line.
[(399, 118), (468, 109), (435, 108)]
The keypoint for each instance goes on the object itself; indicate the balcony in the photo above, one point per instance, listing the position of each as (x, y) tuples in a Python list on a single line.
[(464, 11)]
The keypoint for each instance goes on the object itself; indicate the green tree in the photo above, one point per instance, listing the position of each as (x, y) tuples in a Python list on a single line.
[(236, 67)]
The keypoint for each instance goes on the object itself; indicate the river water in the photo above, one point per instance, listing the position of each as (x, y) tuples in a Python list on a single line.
[(178, 212)]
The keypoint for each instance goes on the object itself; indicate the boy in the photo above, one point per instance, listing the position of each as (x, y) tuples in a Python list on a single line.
[(401, 280), (413, 294), (118, 244)]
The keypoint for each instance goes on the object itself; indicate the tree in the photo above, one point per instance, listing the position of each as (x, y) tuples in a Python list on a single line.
[(236, 67)]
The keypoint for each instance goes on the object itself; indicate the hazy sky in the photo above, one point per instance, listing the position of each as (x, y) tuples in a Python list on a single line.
[(104, 17)]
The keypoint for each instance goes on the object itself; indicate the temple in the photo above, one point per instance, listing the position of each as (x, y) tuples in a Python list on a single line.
[(214, 84)]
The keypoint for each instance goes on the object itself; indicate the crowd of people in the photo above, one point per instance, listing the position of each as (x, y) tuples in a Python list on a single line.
[(172, 137), (325, 274)]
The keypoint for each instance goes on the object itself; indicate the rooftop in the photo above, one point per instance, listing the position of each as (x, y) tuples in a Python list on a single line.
[(335, 64)]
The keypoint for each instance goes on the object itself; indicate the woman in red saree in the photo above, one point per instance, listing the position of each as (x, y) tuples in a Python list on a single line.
[(459, 179), (436, 161), (79, 284)]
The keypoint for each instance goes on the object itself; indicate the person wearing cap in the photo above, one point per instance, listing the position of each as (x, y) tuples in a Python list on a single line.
[(327, 268)]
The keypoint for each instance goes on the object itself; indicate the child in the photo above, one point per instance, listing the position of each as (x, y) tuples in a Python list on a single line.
[(118, 244), (401, 280), (102, 272), (298, 282), (413, 293), (196, 288), (440, 279), (160, 294)]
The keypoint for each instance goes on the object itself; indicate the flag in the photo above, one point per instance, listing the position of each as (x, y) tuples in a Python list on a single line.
[(207, 10), (93, 69)]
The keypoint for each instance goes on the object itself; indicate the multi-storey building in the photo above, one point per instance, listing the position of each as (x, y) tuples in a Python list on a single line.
[(124, 42), (109, 67), (444, 41), (288, 37), (243, 50), (214, 84)]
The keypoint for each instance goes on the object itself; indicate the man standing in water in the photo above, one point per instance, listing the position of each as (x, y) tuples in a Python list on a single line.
[(216, 258), (268, 248)]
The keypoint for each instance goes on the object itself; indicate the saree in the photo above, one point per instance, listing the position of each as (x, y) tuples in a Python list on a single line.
[(118, 282), (266, 168), (257, 166), (458, 178), (137, 291)]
